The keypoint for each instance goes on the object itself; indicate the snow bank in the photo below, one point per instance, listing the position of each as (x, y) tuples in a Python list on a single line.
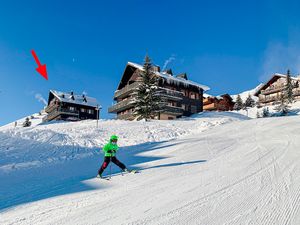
[(57, 142)]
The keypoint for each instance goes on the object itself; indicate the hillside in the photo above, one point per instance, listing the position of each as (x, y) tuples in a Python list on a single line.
[(210, 169), (245, 94)]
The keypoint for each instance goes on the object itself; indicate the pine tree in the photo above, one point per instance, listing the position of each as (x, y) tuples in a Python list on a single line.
[(27, 122), (289, 88), (238, 104), (266, 112), (283, 107), (147, 100), (249, 102)]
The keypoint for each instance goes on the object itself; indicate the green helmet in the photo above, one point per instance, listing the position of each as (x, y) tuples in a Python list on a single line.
[(114, 137)]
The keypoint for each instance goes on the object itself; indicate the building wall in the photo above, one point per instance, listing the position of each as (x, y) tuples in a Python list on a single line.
[(164, 116)]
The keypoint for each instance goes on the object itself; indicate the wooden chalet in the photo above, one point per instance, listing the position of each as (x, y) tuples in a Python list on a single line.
[(68, 106), (270, 92), (184, 97), (220, 103)]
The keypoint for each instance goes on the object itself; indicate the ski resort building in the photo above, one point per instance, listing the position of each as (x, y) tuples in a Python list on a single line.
[(184, 97), (219, 103), (271, 92), (68, 106)]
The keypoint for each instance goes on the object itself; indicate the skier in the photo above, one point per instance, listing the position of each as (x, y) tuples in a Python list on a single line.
[(110, 150)]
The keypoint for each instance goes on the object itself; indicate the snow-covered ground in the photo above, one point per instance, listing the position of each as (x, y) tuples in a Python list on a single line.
[(252, 112), (213, 168)]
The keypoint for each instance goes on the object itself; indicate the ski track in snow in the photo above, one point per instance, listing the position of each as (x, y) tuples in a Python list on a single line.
[(192, 172)]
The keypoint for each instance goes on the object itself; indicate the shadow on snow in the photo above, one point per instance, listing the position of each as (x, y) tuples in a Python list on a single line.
[(65, 172)]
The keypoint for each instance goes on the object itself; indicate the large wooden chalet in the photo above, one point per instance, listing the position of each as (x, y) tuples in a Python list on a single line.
[(219, 103), (270, 92), (68, 106), (184, 97)]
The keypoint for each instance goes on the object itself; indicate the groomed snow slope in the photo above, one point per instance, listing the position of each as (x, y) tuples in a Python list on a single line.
[(242, 172)]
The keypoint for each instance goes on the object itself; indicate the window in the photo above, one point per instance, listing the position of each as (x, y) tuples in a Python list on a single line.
[(193, 95), (71, 108), (90, 111), (193, 109)]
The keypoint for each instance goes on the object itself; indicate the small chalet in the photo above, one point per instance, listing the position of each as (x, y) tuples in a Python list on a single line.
[(219, 103), (184, 97), (270, 92), (68, 106)]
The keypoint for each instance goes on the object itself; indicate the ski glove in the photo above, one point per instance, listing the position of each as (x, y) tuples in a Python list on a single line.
[(111, 151)]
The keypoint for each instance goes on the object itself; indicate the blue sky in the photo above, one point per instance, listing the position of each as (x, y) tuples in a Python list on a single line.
[(230, 46)]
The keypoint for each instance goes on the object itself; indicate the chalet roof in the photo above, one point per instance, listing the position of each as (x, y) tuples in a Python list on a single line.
[(219, 97), (171, 79), (275, 77), (75, 99)]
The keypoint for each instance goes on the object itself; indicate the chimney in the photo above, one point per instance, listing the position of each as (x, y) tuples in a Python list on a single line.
[(155, 68), (84, 98), (72, 95), (169, 71), (182, 75)]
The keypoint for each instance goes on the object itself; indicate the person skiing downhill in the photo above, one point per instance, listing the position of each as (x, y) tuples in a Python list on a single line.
[(110, 150)]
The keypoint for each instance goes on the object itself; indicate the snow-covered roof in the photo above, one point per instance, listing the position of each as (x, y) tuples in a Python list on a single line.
[(207, 95), (279, 75), (284, 76), (171, 79), (78, 99)]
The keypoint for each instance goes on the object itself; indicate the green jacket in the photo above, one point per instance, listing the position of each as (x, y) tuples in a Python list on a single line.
[(110, 149)]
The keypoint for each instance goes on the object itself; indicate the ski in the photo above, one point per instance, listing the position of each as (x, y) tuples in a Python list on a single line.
[(108, 177)]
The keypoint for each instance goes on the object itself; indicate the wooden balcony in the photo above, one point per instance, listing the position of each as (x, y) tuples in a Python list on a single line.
[(173, 110), (59, 111), (170, 94), (128, 116), (211, 106), (120, 106), (274, 89), (296, 92), (125, 91), (267, 99)]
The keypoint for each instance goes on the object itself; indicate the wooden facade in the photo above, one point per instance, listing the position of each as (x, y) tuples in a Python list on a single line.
[(184, 97), (67, 106), (222, 103), (270, 92)]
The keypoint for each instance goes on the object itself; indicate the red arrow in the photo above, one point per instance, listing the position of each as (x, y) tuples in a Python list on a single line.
[(41, 68)]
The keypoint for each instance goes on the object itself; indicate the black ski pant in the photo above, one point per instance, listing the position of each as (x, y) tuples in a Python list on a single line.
[(107, 161)]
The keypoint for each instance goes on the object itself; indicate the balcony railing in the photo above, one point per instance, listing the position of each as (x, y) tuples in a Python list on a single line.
[(120, 106), (126, 90), (269, 99), (59, 111), (127, 116), (296, 92), (273, 89), (170, 94), (173, 110), (210, 106), (266, 99)]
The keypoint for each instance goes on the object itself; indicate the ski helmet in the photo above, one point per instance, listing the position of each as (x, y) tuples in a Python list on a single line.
[(114, 137)]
